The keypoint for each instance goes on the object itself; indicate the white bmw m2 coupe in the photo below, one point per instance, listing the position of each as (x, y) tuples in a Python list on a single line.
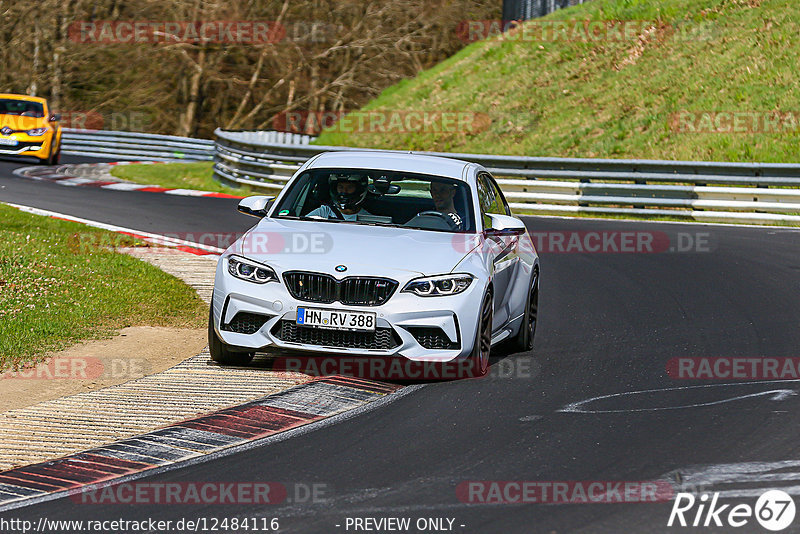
[(380, 254)]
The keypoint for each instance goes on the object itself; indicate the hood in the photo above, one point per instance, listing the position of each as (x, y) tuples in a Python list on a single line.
[(18, 122), (365, 250)]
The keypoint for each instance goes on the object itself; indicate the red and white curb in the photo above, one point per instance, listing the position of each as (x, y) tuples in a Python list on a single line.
[(221, 432), (63, 175), (191, 247)]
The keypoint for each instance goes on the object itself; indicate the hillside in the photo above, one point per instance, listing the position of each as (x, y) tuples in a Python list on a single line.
[(695, 79)]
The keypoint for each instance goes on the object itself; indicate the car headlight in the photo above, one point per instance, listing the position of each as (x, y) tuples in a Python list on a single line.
[(437, 286), (36, 132), (250, 271)]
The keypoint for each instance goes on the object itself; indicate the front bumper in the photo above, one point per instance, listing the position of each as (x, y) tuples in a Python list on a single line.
[(435, 329), (27, 146)]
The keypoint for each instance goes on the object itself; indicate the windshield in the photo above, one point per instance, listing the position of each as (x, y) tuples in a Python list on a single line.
[(21, 107), (378, 197)]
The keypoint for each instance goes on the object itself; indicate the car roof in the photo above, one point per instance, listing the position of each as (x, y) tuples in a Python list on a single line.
[(391, 161), (11, 96)]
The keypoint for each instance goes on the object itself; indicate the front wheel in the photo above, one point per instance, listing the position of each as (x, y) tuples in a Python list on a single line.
[(52, 158), (479, 358), (220, 352)]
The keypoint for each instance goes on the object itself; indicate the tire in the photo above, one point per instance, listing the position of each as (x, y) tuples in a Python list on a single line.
[(523, 342), (52, 159), (481, 350), (220, 352)]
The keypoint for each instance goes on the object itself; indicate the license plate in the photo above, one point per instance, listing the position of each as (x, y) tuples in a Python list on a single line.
[(336, 319), (8, 141)]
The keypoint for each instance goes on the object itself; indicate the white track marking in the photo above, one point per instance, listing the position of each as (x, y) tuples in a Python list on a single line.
[(155, 238), (186, 192), (125, 186), (775, 395), (76, 181)]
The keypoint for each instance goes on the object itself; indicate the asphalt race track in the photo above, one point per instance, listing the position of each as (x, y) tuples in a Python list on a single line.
[(609, 325)]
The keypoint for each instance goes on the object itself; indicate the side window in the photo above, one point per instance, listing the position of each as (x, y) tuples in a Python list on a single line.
[(490, 199), (485, 199), (500, 204)]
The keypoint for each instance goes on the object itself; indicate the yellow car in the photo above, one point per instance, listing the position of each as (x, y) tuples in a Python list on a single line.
[(27, 128)]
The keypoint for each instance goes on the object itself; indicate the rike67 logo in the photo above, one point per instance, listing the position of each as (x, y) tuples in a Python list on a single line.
[(774, 510)]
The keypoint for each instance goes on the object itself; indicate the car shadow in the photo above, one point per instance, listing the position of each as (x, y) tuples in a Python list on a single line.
[(395, 370)]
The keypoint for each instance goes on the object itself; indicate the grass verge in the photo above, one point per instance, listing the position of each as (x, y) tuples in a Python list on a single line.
[(62, 282), (198, 176)]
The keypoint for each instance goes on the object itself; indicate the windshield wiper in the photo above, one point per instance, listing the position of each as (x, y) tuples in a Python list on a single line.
[(388, 225), (318, 219), (307, 218)]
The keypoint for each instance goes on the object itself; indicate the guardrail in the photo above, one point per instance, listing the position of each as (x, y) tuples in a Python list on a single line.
[(761, 193), (155, 147), (135, 146), (528, 9)]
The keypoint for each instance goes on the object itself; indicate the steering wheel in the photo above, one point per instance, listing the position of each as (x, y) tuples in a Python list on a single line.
[(451, 219)]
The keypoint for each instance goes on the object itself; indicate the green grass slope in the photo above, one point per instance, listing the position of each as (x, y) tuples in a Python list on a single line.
[(618, 98)]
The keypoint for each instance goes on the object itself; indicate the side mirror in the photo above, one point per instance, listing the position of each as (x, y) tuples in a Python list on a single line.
[(505, 225), (55, 117), (256, 206)]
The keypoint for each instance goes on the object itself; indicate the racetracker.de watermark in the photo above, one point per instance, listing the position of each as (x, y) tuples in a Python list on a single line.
[(132, 121), (735, 122), (729, 367), (170, 32), (256, 242), (88, 120), (563, 31), (382, 368), (83, 368), (260, 242), (233, 32), (382, 121), (563, 492), (207, 493), (597, 242)]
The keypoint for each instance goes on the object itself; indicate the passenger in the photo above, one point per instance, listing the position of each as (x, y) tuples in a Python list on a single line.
[(443, 194)]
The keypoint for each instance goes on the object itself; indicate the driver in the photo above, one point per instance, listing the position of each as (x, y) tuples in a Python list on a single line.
[(31, 110), (443, 194), (348, 192)]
